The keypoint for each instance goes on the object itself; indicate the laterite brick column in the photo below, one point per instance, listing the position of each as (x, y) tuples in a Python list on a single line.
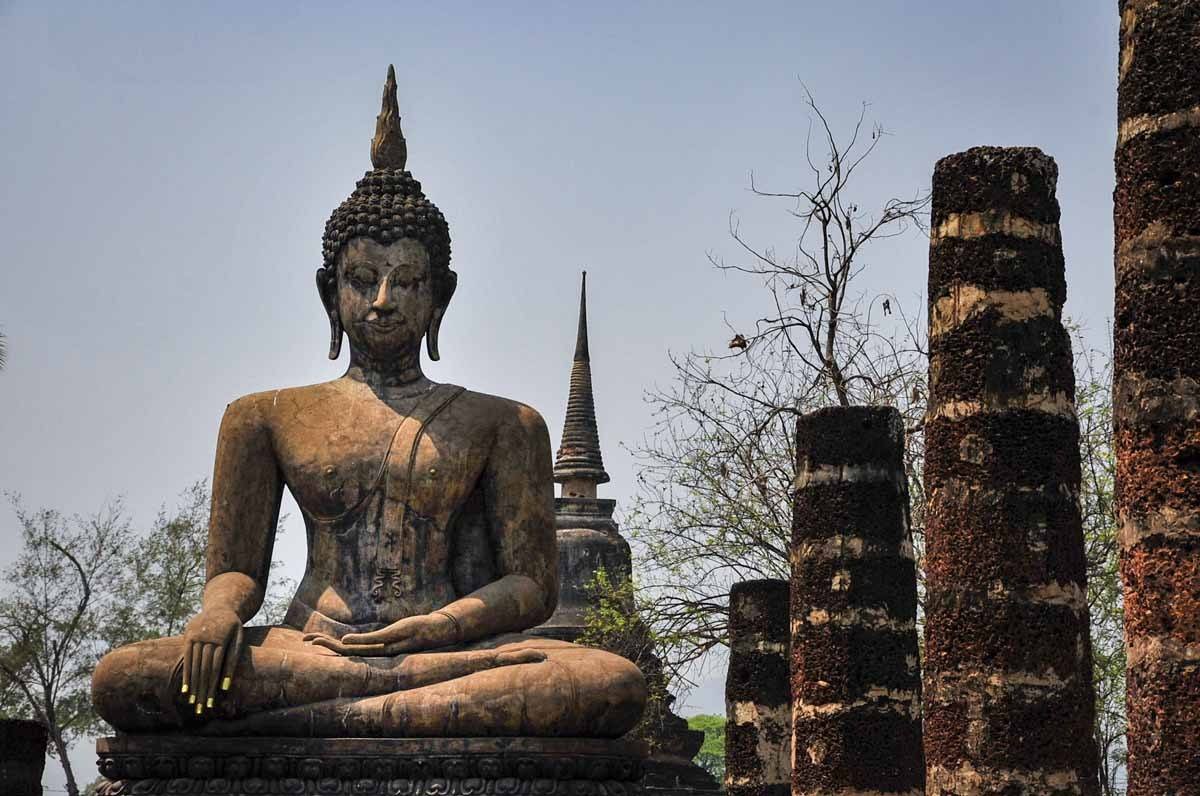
[(1008, 691), (758, 704), (856, 681), (1157, 387)]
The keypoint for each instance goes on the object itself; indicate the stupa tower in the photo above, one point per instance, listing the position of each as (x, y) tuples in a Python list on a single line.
[(588, 541), (579, 466), (588, 538)]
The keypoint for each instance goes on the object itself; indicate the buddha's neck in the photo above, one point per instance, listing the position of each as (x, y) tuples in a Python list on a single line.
[(381, 374)]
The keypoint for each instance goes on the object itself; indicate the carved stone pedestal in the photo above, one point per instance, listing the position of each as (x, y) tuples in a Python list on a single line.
[(174, 764)]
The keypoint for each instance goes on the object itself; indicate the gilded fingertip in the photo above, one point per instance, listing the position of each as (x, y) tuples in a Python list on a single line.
[(198, 709), (183, 689), (209, 703), (192, 699), (226, 684)]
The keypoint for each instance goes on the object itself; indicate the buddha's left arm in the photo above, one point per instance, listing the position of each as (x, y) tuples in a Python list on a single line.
[(519, 505)]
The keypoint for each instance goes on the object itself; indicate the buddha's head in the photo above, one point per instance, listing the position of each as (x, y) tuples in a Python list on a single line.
[(386, 278)]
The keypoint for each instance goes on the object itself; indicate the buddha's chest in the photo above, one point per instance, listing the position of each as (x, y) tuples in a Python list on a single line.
[(355, 470)]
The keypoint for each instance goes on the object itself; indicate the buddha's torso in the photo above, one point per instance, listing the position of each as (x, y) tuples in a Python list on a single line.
[(392, 499)]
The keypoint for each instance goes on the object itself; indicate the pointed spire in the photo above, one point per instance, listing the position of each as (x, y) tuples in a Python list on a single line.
[(579, 466), (581, 337), (388, 148)]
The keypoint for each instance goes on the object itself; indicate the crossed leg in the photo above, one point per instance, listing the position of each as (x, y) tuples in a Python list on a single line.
[(510, 685)]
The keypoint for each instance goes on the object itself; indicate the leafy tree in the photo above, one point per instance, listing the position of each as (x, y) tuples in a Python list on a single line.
[(712, 754), (84, 585), (56, 597), (162, 592), (613, 622), (1093, 400)]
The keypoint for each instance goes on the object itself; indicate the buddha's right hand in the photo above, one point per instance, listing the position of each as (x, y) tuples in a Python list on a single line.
[(212, 641)]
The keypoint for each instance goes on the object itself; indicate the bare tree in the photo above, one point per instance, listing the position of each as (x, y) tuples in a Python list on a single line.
[(831, 332), (57, 592), (715, 475)]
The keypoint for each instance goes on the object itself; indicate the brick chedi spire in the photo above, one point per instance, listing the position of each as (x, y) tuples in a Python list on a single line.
[(589, 541), (579, 466), (588, 538)]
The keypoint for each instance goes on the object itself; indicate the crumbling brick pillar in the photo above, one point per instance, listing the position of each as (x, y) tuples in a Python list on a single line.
[(856, 681), (1156, 400), (1008, 691), (758, 704)]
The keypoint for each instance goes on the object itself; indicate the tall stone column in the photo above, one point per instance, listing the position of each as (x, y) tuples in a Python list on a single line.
[(758, 699), (1157, 387), (856, 682), (1008, 691)]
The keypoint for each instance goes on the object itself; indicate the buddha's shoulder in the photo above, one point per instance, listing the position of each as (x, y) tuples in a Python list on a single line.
[(497, 412), (477, 409), (269, 405)]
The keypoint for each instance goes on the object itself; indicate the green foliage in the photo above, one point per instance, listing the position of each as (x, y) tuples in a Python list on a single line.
[(612, 622), (163, 587), (55, 600), (162, 592), (83, 585), (711, 756)]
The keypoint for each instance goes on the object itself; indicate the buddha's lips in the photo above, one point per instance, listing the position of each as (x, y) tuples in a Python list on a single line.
[(382, 326)]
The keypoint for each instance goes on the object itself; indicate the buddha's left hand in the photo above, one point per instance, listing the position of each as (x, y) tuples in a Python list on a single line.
[(412, 634)]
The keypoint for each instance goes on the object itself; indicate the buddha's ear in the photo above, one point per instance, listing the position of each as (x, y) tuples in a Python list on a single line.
[(327, 289), (445, 293)]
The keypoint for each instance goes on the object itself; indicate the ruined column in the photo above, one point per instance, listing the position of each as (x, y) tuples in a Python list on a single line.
[(22, 757), (758, 704), (1156, 397), (1008, 692), (856, 682)]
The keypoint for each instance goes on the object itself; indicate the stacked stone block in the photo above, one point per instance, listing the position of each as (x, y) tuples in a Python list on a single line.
[(1008, 693), (856, 681), (758, 704), (1157, 387)]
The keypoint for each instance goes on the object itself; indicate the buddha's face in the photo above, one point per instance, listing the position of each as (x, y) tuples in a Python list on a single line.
[(385, 296)]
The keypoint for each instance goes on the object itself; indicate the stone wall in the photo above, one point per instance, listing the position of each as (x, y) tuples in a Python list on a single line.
[(1157, 387), (758, 704), (1008, 693), (856, 681)]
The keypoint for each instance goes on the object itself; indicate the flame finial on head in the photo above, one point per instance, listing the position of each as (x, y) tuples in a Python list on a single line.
[(388, 148)]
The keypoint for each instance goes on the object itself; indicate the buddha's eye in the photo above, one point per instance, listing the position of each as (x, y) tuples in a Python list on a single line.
[(362, 279), (407, 283)]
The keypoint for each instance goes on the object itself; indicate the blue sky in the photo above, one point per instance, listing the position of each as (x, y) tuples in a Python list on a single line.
[(167, 171)]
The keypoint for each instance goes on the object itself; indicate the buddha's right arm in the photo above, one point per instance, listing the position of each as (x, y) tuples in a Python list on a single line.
[(247, 487), (246, 491)]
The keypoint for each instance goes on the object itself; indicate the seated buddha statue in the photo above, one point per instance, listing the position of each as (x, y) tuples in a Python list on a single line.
[(430, 526)]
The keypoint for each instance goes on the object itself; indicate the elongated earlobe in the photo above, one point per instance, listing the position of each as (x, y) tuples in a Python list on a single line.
[(335, 336), (445, 293), (431, 334), (327, 289)]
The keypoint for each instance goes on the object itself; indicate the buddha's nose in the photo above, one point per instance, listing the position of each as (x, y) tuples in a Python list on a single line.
[(383, 299)]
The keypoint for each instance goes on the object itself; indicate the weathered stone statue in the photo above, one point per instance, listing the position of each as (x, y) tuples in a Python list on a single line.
[(430, 518)]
